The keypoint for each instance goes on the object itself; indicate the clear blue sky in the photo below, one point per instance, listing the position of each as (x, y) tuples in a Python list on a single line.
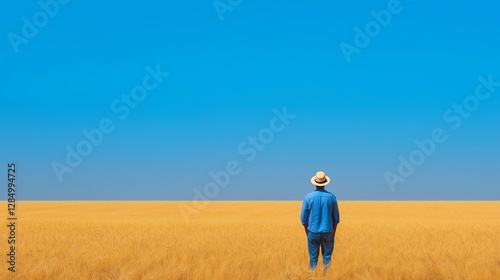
[(226, 75)]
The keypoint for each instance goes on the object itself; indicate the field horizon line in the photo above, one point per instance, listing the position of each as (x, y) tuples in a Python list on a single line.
[(252, 201)]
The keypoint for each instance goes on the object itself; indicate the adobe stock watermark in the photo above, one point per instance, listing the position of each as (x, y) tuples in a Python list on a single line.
[(121, 107), (454, 116), (363, 37), (31, 26), (223, 6), (249, 150)]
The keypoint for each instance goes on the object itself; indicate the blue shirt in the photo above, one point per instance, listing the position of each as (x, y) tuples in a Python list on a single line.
[(320, 211)]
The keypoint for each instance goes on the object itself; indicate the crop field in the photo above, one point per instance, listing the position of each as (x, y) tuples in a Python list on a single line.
[(251, 240)]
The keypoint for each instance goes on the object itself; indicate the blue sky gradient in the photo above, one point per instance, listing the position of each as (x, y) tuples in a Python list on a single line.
[(354, 116)]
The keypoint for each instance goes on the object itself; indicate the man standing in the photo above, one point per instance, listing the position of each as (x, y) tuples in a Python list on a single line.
[(320, 216)]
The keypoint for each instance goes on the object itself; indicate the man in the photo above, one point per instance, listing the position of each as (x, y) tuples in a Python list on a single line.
[(320, 216)]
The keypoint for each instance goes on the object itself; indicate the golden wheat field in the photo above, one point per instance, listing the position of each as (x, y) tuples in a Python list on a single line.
[(252, 240)]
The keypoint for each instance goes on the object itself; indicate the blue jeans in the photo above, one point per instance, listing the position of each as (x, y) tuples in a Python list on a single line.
[(324, 240)]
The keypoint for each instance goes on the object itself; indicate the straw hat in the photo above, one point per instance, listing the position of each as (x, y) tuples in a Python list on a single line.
[(320, 179)]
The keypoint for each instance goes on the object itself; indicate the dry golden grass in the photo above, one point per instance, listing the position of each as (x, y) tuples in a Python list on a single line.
[(253, 240)]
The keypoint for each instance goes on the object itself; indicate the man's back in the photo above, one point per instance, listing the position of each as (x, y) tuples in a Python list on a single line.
[(320, 211), (320, 216)]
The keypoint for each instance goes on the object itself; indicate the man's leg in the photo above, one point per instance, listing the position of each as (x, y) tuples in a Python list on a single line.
[(327, 242), (313, 243)]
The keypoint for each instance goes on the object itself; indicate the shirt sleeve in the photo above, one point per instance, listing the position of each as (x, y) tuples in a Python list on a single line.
[(304, 214), (336, 214)]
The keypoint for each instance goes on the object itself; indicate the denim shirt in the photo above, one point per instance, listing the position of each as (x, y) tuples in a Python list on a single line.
[(320, 211)]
